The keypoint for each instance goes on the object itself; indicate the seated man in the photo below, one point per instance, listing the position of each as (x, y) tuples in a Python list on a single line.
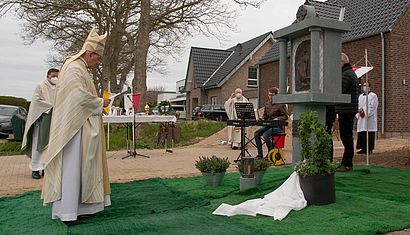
[(272, 112)]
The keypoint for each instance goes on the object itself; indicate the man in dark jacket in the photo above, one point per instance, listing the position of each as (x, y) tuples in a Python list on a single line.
[(347, 112)]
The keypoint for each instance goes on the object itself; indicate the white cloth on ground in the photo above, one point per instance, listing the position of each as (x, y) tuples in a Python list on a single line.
[(36, 160), (278, 204), (70, 206)]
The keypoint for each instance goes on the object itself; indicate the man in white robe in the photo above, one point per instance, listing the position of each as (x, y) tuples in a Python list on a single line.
[(371, 111), (76, 173), (36, 133), (234, 134)]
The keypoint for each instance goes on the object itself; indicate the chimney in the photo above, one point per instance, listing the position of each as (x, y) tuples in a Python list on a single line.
[(238, 47)]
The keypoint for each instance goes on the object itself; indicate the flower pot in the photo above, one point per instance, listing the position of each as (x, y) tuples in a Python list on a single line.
[(318, 189), (213, 180), (259, 176)]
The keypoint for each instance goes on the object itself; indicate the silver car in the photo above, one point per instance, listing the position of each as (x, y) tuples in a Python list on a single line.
[(6, 113)]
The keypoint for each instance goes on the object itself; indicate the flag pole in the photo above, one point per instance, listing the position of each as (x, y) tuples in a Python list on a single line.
[(367, 112), (108, 125)]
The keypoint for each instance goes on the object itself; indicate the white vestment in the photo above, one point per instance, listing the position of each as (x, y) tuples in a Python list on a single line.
[(234, 134), (76, 173), (70, 206), (372, 112), (36, 160)]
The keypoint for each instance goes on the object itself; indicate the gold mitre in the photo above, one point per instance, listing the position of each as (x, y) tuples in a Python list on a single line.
[(94, 42)]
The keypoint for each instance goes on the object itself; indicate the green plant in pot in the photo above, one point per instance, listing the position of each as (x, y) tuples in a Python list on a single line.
[(213, 169), (315, 169), (259, 168)]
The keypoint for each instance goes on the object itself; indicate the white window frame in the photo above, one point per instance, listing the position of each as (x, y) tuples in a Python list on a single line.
[(253, 80), (214, 99)]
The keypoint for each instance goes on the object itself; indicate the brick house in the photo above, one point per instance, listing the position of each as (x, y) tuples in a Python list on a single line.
[(382, 27), (213, 74)]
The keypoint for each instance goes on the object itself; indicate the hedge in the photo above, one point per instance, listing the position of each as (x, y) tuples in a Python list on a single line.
[(16, 101)]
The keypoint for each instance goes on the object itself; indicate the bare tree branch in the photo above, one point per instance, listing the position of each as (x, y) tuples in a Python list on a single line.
[(141, 33)]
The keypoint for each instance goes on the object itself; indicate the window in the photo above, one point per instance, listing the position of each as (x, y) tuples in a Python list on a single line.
[(214, 99), (252, 77)]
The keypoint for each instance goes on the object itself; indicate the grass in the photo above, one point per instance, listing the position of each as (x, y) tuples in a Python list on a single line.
[(191, 132), (368, 201), (10, 148)]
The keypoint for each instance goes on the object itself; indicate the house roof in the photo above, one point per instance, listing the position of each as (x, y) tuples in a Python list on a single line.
[(206, 61), (238, 54), (367, 18), (370, 17), (326, 10)]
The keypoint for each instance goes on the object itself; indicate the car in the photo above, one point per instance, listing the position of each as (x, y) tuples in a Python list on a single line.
[(211, 111), (179, 110), (195, 110), (6, 113)]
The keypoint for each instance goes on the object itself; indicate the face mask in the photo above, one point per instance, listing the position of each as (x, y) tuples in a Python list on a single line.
[(238, 95), (53, 80), (365, 89)]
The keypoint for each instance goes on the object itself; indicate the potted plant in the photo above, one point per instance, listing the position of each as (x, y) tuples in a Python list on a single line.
[(213, 169), (261, 164), (259, 168), (315, 170)]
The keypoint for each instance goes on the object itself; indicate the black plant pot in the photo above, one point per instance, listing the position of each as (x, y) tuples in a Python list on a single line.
[(318, 189)]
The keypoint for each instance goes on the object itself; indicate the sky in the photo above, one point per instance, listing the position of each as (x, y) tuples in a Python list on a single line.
[(22, 66)]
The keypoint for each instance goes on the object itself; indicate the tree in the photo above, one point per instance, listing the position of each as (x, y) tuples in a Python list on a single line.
[(67, 23), (167, 23), (152, 94), (140, 32)]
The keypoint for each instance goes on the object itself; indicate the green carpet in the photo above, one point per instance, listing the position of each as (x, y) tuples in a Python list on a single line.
[(369, 201)]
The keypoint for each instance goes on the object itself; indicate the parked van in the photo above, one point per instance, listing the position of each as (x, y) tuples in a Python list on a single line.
[(179, 110)]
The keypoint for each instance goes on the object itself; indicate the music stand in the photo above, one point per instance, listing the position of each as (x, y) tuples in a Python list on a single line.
[(244, 111), (134, 152)]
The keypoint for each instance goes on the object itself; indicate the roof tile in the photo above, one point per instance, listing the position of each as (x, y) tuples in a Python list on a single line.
[(367, 18), (206, 61), (240, 52)]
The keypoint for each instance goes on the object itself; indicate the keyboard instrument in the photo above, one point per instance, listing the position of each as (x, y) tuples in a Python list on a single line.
[(254, 122)]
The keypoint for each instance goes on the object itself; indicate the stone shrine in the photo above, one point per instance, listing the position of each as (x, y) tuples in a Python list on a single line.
[(315, 66)]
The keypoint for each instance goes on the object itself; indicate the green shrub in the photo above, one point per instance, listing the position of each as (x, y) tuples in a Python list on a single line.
[(260, 164), (212, 165), (16, 101), (316, 147)]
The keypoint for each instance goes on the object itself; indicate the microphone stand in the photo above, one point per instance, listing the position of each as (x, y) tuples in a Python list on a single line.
[(134, 152)]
